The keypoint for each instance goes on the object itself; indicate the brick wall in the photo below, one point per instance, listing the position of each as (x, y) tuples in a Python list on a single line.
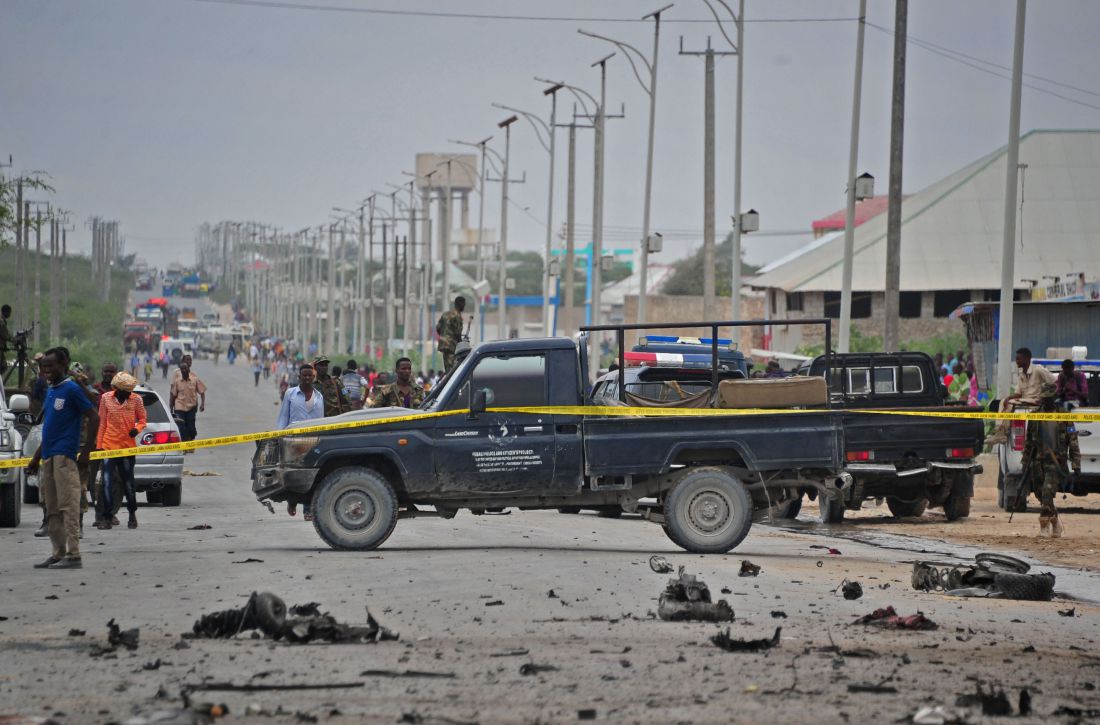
[(689, 308)]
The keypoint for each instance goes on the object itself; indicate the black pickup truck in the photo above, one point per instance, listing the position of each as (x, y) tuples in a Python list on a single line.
[(912, 462)]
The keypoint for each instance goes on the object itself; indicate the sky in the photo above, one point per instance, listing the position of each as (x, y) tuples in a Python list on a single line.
[(164, 114)]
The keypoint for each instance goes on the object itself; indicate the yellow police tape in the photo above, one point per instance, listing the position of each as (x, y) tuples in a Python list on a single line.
[(573, 410)]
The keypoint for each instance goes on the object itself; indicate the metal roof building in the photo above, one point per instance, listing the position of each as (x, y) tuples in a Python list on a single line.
[(952, 230)]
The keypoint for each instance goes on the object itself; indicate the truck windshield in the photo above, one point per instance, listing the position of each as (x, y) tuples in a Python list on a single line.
[(444, 389)]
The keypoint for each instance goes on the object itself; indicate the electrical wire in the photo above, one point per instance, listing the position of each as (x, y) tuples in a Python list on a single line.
[(286, 5), (961, 58)]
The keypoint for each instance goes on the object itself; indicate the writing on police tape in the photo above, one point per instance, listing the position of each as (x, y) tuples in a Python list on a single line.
[(578, 410)]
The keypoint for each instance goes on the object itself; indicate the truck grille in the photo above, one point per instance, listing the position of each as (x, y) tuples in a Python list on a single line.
[(267, 453)]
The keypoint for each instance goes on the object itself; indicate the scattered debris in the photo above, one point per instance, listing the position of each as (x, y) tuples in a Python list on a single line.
[(408, 673), (1068, 711), (888, 618), (731, 644), (77, 632), (992, 575), (189, 472), (116, 636), (261, 687), (748, 568), (177, 716), (850, 589), (1071, 612), (153, 665), (832, 551), (874, 689), (495, 603), (587, 714), (1024, 704), (304, 623), (660, 564), (778, 614), (200, 527), (530, 668), (687, 598), (994, 702), (512, 653), (249, 560), (552, 595), (936, 715), (726, 590)]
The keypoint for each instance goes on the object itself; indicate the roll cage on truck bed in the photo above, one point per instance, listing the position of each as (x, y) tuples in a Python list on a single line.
[(710, 475)]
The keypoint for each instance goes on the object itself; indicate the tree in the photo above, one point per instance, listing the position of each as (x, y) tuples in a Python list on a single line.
[(687, 273), (9, 199)]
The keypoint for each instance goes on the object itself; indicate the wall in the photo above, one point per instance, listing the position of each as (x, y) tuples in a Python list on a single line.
[(689, 308)]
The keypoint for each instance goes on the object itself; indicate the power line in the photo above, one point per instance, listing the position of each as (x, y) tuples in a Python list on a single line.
[(962, 58), (279, 5)]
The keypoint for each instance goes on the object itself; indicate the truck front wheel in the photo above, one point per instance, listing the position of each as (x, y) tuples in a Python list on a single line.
[(708, 511), (354, 508)]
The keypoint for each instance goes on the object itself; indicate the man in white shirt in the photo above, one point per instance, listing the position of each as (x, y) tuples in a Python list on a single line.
[(1026, 392), (301, 404)]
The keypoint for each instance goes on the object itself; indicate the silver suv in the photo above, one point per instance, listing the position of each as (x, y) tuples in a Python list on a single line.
[(11, 446)]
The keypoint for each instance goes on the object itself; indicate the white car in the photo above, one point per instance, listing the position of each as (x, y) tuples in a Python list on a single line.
[(12, 480), (1010, 454), (159, 475)]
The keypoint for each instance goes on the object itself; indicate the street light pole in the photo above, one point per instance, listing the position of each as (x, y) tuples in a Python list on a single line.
[(502, 277), (597, 212), (735, 282), (844, 343)]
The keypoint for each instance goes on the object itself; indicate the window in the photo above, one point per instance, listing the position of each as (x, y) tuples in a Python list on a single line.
[(794, 302), (947, 300), (861, 305), (883, 377), (909, 304), (154, 409), (516, 381)]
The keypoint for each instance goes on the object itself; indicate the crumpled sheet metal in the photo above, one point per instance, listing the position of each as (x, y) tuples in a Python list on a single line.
[(687, 598), (992, 576), (298, 625)]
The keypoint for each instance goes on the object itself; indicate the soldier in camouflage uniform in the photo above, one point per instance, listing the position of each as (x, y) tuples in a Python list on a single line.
[(1049, 446), (329, 387), (404, 393), (449, 329)]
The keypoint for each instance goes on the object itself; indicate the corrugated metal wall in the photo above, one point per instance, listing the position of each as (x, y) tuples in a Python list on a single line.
[(1039, 326)]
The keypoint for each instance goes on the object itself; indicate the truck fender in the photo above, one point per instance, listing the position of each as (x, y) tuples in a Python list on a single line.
[(736, 446), (327, 457)]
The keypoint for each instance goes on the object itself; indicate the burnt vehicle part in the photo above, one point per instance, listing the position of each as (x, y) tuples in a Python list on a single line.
[(687, 598), (994, 576)]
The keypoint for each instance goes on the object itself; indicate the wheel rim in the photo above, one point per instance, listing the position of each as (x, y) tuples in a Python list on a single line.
[(709, 512), (355, 510)]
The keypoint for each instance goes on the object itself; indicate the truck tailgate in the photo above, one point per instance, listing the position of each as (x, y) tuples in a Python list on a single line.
[(893, 437), (636, 446)]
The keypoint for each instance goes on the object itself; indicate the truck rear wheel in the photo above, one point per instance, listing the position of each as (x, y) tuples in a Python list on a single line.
[(354, 508), (902, 509), (708, 511), (11, 502)]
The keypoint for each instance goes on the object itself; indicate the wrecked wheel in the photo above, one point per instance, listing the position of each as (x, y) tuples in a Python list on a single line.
[(270, 612), (708, 511), (902, 509), (354, 508), (1028, 587)]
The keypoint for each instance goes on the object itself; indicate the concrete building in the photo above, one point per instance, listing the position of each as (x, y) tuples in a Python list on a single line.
[(951, 244)]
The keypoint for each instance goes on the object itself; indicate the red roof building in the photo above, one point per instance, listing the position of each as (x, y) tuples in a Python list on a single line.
[(865, 210)]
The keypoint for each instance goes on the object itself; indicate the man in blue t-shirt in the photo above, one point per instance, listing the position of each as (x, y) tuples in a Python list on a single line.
[(59, 479)]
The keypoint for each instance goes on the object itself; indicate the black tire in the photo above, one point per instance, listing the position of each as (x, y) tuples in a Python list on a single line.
[(154, 495), (30, 493), (902, 509), (11, 502), (708, 511), (171, 495), (832, 511), (354, 509), (788, 510), (270, 612), (610, 512), (1030, 587), (569, 509), (957, 506)]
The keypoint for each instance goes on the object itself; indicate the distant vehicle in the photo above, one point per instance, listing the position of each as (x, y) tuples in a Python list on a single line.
[(687, 352), (12, 480), (209, 317), (188, 313), (176, 348), (139, 334)]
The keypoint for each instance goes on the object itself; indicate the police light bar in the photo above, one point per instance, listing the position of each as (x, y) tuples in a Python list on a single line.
[(674, 339), (667, 359)]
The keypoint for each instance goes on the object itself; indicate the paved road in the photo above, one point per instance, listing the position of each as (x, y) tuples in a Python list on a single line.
[(436, 583)]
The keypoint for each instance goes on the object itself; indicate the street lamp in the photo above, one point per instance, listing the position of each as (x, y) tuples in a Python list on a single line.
[(651, 91), (502, 307)]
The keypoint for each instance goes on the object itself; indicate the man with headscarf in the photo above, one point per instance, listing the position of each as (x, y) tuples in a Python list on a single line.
[(122, 417)]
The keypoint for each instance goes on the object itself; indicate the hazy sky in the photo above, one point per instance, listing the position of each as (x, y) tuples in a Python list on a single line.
[(167, 113)]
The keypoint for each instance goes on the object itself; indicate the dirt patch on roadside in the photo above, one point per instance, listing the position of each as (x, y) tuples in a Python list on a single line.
[(988, 526)]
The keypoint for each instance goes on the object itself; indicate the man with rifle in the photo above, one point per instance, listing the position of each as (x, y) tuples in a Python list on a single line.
[(1049, 452)]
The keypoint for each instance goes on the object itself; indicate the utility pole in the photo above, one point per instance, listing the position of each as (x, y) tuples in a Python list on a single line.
[(55, 279), (651, 91), (1005, 361), (890, 341), (735, 266), (844, 342), (37, 275), (597, 216), (330, 321), (20, 254), (445, 252), (570, 232), (502, 277), (547, 318), (708, 174)]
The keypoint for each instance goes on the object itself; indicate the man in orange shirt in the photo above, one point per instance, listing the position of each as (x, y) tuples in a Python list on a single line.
[(122, 416)]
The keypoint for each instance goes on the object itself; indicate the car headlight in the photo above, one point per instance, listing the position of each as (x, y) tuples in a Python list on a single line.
[(295, 448)]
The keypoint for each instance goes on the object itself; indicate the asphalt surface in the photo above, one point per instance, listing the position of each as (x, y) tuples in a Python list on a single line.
[(471, 600)]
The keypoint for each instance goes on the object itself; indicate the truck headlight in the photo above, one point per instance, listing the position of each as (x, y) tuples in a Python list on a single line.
[(295, 448)]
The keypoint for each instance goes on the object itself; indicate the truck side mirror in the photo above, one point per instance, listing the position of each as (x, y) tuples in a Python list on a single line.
[(19, 404), (481, 400)]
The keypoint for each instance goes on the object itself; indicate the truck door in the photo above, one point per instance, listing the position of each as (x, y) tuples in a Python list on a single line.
[(498, 453)]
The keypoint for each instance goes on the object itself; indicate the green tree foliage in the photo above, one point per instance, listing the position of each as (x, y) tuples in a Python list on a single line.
[(9, 197), (687, 273)]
